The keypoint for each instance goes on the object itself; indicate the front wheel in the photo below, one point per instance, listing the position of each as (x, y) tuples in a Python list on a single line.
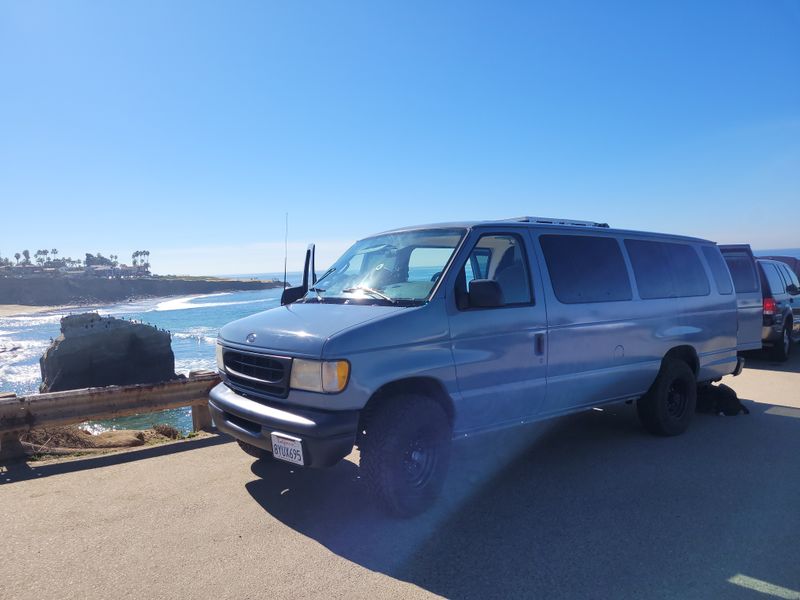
[(405, 453), (668, 406)]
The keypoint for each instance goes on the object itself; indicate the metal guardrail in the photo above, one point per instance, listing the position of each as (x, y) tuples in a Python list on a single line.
[(19, 414)]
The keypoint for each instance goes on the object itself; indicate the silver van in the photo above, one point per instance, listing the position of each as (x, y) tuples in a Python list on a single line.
[(420, 335)]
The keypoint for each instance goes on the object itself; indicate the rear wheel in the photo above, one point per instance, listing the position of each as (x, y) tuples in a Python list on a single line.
[(668, 406), (405, 454), (782, 348)]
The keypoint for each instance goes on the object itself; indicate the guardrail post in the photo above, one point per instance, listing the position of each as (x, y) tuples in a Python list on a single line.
[(201, 417), (10, 446)]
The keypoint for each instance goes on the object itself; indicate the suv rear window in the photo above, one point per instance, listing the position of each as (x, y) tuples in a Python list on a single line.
[(586, 268), (667, 269), (773, 278)]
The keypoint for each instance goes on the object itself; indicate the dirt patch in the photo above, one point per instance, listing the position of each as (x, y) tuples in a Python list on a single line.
[(58, 440)]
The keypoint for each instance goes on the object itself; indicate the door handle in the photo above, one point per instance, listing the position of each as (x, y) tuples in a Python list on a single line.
[(538, 344)]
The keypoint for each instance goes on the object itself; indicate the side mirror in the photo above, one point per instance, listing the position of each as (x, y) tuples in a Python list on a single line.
[(793, 289), (293, 294), (485, 293)]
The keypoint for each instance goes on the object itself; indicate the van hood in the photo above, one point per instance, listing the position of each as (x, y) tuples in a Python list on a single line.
[(300, 329)]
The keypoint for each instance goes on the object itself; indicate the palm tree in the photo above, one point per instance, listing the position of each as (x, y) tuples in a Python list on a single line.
[(17, 256), (27, 255)]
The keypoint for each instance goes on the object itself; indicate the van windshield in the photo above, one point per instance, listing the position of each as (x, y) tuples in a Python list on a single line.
[(396, 268)]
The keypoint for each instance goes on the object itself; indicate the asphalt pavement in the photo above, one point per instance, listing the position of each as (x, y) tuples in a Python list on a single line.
[(586, 506)]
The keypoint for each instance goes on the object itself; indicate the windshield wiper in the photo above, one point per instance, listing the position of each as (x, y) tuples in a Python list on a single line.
[(325, 274), (370, 291), (317, 291)]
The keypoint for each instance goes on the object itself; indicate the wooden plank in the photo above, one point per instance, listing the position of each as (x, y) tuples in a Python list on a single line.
[(22, 413)]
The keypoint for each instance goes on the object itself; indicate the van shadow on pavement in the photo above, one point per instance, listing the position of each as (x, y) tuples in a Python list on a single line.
[(585, 506)]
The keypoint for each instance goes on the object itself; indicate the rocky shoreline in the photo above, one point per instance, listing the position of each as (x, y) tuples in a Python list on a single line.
[(54, 291)]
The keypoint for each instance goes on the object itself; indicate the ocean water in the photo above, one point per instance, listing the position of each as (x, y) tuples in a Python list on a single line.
[(193, 321), (795, 252)]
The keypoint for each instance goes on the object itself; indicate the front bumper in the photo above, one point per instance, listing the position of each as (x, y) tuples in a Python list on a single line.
[(327, 436)]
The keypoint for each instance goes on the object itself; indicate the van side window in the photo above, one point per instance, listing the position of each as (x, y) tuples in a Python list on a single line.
[(667, 270), (586, 268), (773, 278), (501, 258), (687, 271), (719, 270), (650, 268), (742, 273), (477, 266)]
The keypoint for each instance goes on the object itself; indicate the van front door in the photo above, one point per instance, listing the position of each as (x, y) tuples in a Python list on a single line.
[(749, 301), (499, 341)]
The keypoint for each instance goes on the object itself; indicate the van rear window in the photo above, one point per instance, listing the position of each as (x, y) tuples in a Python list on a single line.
[(719, 269), (743, 273), (586, 268), (667, 269)]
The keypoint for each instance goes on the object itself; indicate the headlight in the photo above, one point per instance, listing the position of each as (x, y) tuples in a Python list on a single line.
[(329, 376), (220, 362)]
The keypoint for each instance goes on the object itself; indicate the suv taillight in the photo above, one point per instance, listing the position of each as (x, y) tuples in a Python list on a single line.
[(770, 306)]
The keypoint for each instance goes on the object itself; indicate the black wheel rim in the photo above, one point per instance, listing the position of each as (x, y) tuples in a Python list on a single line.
[(419, 461), (787, 343), (677, 399)]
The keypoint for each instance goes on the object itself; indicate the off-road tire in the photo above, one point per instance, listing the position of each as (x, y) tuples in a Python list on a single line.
[(783, 348), (405, 454), (668, 406)]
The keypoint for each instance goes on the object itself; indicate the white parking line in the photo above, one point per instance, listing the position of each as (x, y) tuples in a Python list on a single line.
[(764, 587)]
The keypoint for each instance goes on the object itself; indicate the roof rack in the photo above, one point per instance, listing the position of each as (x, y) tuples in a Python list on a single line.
[(548, 221)]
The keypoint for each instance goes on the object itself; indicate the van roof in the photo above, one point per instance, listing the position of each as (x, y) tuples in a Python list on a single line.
[(547, 223)]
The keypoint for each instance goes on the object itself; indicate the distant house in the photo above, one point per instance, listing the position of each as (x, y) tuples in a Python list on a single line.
[(127, 271), (72, 271), (100, 271)]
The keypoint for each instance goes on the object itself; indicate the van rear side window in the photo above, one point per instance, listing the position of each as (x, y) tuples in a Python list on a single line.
[(743, 273), (667, 270), (719, 270), (586, 268)]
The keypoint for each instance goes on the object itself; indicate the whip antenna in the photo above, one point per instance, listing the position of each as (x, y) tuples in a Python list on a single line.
[(285, 249)]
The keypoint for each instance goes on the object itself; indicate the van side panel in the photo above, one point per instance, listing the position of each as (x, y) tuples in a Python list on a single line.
[(710, 324), (605, 351), (602, 351)]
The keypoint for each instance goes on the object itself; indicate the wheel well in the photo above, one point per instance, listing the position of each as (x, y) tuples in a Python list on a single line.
[(686, 354), (423, 386)]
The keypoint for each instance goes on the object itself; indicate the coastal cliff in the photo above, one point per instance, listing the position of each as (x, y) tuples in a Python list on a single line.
[(52, 291)]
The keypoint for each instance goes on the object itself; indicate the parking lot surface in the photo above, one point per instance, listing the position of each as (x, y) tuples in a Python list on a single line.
[(587, 506)]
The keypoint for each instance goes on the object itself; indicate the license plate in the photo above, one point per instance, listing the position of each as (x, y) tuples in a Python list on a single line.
[(287, 448)]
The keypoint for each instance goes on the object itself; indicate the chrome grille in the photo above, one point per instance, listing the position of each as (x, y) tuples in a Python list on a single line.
[(255, 372)]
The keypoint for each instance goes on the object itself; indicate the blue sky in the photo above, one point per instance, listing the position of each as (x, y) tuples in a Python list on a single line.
[(189, 129)]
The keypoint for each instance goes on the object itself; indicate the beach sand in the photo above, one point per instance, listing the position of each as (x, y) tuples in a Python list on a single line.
[(9, 310)]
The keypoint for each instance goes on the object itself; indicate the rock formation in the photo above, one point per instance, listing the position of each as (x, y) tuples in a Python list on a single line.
[(95, 351)]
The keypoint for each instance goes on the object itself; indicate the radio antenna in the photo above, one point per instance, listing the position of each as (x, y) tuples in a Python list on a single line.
[(285, 249)]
